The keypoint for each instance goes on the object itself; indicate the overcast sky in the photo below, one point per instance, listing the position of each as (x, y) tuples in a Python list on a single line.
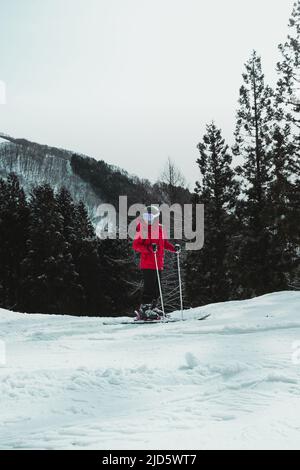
[(131, 81)]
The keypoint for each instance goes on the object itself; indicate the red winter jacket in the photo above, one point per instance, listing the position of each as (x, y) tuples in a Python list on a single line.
[(144, 246)]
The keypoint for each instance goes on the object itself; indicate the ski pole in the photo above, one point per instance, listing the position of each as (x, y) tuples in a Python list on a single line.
[(178, 249), (154, 246)]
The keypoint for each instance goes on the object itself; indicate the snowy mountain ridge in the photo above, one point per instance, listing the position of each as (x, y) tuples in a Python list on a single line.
[(37, 164), (231, 381), (92, 181)]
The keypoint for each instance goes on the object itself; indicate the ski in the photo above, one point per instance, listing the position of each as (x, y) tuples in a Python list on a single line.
[(143, 322), (161, 320), (204, 317), (149, 322)]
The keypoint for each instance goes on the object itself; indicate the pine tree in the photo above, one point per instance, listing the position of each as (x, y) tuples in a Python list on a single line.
[(207, 274), (288, 115), (118, 266), (255, 120), (84, 248), (13, 232), (89, 267), (67, 210), (253, 131), (84, 226), (50, 282), (281, 213), (288, 96)]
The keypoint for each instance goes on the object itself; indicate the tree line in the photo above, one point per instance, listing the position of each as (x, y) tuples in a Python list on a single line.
[(51, 260), (252, 211)]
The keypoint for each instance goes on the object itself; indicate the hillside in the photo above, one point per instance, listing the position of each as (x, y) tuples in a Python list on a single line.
[(90, 180), (231, 381)]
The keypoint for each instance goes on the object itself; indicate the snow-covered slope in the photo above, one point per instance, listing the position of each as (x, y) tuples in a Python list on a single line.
[(36, 164), (231, 381)]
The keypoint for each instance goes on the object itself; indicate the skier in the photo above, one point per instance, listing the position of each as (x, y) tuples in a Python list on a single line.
[(150, 236)]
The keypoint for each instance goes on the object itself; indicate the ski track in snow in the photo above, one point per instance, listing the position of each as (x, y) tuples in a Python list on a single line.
[(226, 382)]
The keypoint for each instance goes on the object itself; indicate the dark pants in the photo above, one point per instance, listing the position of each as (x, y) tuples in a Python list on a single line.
[(151, 289)]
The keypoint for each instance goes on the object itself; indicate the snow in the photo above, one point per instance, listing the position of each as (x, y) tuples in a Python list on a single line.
[(230, 381)]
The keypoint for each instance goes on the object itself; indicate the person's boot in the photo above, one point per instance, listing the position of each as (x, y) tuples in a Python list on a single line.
[(156, 312), (144, 312), (147, 312)]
